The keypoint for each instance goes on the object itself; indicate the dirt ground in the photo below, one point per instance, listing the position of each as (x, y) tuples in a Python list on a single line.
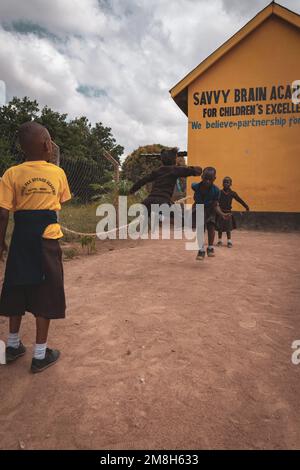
[(162, 352)]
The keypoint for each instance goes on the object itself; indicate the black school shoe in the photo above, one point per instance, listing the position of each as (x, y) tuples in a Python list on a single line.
[(210, 252), (200, 255), (38, 365), (13, 353)]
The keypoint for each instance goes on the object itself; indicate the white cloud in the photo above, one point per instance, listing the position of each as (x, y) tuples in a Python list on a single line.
[(128, 52), (61, 17)]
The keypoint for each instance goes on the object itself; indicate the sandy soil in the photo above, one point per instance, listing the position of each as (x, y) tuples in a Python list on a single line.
[(160, 351)]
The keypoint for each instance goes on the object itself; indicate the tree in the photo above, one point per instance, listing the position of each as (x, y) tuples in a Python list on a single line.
[(81, 144), (136, 166), (77, 138), (11, 117)]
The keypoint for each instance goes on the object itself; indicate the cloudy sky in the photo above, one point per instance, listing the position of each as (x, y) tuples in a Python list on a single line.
[(115, 60)]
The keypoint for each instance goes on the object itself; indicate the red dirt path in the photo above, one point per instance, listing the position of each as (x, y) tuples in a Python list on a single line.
[(160, 351)]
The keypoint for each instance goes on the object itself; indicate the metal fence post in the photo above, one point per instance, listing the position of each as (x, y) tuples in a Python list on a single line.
[(110, 158)]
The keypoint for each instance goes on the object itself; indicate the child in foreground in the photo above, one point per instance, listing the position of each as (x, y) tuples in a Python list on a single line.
[(33, 282)]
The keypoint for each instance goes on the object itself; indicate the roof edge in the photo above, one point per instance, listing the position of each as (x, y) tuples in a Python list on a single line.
[(273, 8)]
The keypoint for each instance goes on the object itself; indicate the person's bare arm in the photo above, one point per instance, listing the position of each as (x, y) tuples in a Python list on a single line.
[(240, 200), (184, 171), (4, 215), (220, 212), (141, 182)]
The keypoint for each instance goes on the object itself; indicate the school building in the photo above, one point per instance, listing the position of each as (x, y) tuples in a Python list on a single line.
[(243, 109)]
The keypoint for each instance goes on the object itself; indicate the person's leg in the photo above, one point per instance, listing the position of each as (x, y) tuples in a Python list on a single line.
[(13, 340), (12, 305), (15, 323), (229, 242), (47, 301), (147, 220), (211, 234), (201, 251), (211, 238), (220, 237), (43, 357), (42, 328), (14, 347)]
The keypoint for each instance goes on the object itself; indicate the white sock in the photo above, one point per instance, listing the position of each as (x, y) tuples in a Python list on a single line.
[(210, 246), (202, 248), (229, 240), (40, 351), (13, 340)]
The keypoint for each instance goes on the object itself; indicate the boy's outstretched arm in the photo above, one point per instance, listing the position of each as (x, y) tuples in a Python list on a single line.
[(184, 171), (4, 215), (141, 182), (238, 199)]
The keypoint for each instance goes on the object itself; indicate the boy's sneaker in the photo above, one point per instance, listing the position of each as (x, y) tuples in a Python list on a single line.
[(210, 252), (229, 244), (200, 255), (219, 243), (38, 365), (13, 353)]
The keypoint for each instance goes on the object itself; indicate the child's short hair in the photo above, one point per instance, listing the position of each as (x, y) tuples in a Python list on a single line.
[(168, 156), (227, 178), (210, 172)]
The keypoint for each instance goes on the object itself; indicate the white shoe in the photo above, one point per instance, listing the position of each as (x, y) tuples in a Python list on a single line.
[(229, 244)]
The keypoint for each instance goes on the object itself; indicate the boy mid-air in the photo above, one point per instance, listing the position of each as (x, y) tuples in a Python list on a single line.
[(208, 194), (33, 282), (164, 179)]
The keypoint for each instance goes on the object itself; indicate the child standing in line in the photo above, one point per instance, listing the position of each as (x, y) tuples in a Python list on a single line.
[(33, 282), (226, 196)]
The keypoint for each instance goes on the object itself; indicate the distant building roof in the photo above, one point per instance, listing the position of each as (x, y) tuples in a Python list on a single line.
[(179, 92)]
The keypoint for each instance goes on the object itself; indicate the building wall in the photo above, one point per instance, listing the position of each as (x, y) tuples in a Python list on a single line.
[(264, 161)]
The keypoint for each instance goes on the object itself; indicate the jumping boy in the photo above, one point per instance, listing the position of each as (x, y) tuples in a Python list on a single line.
[(208, 194), (164, 179), (34, 191), (226, 196)]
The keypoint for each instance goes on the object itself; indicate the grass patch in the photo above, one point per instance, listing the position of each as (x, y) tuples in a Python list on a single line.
[(82, 217)]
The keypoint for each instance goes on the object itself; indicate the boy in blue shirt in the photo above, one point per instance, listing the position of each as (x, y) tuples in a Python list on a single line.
[(208, 194)]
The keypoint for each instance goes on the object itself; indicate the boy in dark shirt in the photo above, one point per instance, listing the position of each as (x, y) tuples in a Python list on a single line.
[(226, 196), (164, 179), (208, 194)]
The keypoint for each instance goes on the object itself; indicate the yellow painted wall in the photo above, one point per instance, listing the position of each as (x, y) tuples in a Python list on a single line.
[(264, 162)]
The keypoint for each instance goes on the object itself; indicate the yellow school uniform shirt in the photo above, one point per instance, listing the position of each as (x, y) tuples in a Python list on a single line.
[(35, 185)]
